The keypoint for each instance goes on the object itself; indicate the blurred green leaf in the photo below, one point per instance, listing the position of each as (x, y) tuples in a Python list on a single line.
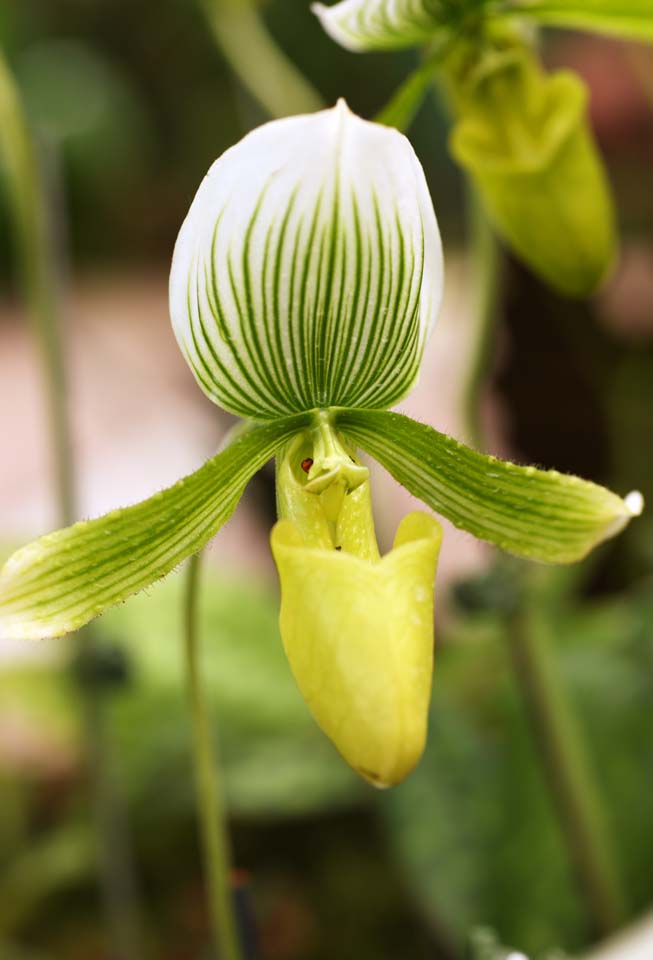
[(632, 19), (10, 951), (475, 822), (275, 759), (61, 858)]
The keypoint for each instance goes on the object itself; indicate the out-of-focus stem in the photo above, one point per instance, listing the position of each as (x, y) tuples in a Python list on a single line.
[(36, 265), (401, 109), (210, 805), (116, 867), (567, 770), (639, 59), (558, 740), (485, 268), (38, 281), (262, 67)]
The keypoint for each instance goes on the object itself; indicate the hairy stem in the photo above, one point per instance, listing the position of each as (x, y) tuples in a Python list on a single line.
[(262, 67), (210, 805), (567, 770)]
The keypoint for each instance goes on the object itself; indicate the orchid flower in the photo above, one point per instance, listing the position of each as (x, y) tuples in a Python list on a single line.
[(305, 281), (522, 135)]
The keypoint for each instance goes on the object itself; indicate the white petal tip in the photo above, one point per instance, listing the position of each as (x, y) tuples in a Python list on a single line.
[(634, 503), (323, 14), (330, 19)]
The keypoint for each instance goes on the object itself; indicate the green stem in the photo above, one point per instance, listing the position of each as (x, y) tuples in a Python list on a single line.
[(36, 263), (37, 279), (117, 874), (486, 274), (401, 109), (561, 749), (211, 811), (262, 67), (640, 64), (558, 740)]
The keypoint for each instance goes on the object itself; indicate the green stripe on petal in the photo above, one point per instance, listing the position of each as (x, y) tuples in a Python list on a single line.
[(539, 514), (631, 19), (60, 582), (308, 272), (383, 24)]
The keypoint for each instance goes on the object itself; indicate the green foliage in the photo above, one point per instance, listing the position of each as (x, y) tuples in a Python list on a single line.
[(475, 823), (276, 762), (632, 19), (275, 759)]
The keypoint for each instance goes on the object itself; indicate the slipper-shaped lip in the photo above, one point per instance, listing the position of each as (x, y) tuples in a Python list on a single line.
[(359, 638)]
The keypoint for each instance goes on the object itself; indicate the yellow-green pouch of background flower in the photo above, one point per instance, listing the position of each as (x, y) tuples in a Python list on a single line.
[(525, 139), (359, 637)]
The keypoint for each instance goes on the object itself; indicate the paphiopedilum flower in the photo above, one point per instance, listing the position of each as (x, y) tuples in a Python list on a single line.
[(522, 135), (305, 281)]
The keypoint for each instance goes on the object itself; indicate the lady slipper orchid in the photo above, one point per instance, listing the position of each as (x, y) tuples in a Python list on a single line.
[(305, 281)]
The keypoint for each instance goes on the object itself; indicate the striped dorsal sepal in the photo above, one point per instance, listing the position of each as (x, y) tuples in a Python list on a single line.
[(308, 272)]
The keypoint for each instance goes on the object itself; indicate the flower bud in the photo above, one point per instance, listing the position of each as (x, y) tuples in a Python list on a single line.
[(524, 137)]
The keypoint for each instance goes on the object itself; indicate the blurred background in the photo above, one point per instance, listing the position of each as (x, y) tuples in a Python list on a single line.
[(129, 104)]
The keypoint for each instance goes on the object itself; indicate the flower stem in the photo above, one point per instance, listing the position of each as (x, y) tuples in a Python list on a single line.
[(567, 770), (486, 275), (210, 805), (262, 67), (116, 866), (557, 737), (401, 109), (38, 278)]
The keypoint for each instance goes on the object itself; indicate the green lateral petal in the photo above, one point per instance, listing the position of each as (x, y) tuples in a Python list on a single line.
[(383, 24), (539, 514), (631, 19), (308, 272), (359, 638), (60, 582)]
